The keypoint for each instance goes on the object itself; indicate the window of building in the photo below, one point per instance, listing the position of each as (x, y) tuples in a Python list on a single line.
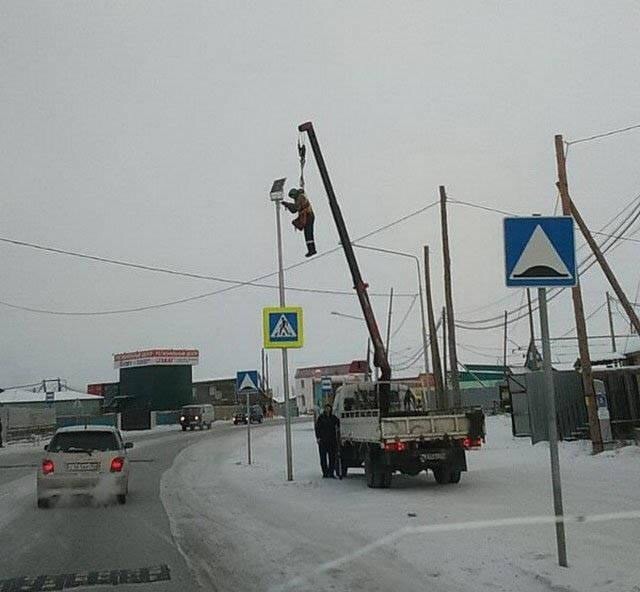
[(302, 383)]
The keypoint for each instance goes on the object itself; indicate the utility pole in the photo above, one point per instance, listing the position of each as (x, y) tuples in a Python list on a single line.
[(578, 307), (613, 280), (389, 321), (451, 324), (368, 371), (611, 329), (433, 334), (262, 378), (445, 378), (532, 334), (504, 343)]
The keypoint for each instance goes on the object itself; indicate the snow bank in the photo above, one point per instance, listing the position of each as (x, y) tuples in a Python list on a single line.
[(245, 528)]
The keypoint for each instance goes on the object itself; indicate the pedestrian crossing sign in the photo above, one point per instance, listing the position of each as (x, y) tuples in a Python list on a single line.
[(282, 327)]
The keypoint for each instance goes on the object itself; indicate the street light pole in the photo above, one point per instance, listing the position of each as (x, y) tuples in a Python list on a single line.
[(420, 295), (277, 196)]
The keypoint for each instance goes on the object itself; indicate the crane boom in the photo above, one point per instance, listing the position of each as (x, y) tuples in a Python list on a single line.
[(380, 359)]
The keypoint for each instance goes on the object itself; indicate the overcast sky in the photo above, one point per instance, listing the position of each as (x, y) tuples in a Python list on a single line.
[(151, 132)]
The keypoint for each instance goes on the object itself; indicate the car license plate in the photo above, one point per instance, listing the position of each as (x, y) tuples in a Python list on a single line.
[(433, 456), (82, 467)]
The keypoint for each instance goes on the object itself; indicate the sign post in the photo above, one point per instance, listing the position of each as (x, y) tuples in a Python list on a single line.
[(247, 383), (540, 252)]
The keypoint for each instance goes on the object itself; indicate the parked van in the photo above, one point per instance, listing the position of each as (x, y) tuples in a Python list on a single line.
[(196, 416)]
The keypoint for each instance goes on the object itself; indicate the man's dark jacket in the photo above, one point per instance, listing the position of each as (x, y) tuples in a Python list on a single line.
[(327, 427)]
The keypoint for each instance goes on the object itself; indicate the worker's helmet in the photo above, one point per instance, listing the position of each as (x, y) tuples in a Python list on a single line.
[(294, 193)]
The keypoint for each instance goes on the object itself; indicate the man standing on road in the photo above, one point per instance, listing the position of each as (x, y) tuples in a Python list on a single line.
[(327, 427)]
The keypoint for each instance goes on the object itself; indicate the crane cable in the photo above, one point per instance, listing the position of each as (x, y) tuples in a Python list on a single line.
[(302, 155)]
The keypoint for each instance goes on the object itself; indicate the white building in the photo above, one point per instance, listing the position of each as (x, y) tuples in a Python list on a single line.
[(307, 381)]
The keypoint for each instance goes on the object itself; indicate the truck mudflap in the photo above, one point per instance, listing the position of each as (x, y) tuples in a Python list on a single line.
[(415, 460)]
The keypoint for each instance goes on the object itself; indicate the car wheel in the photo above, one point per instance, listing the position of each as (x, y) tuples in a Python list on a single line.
[(454, 476), (43, 503), (184, 428), (191, 427), (122, 498), (209, 426)]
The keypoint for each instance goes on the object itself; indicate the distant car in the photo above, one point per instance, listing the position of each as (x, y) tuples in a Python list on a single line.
[(84, 460), (196, 416), (239, 417)]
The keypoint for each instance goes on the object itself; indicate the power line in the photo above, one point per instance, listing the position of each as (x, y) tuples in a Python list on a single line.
[(235, 283), (604, 135), (406, 316)]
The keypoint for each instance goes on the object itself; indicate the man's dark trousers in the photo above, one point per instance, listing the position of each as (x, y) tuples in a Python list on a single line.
[(328, 456)]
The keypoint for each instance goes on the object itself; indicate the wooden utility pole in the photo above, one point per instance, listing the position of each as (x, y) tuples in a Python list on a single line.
[(433, 334), (504, 343), (532, 335), (389, 321), (445, 378), (611, 330), (578, 308), (448, 295), (613, 280)]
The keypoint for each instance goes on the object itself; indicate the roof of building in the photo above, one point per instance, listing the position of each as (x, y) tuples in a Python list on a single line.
[(355, 367), (24, 396), (210, 380)]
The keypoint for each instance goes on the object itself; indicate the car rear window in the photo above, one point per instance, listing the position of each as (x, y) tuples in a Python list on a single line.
[(83, 441)]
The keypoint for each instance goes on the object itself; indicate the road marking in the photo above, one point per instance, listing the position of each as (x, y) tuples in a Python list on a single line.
[(114, 577), (303, 580)]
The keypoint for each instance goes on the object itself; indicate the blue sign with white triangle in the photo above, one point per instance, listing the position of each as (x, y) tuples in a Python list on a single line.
[(247, 381), (540, 252)]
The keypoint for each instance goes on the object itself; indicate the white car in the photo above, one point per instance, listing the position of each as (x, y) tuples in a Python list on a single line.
[(84, 460)]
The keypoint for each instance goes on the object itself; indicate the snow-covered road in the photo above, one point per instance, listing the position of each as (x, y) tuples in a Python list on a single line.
[(245, 528)]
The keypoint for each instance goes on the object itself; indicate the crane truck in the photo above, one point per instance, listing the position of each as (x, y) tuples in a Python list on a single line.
[(379, 428)]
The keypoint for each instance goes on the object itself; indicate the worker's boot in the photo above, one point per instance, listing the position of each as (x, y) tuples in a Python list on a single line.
[(311, 249)]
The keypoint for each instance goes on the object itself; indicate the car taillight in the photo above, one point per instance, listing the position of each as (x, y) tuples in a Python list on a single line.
[(116, 464), (472, 442), (47, 466), (395, 446)]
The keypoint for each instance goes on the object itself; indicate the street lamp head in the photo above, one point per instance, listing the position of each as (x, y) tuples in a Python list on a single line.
[(277, 190)]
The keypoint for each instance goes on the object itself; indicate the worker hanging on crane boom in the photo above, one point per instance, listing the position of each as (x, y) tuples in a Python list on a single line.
[(306, 218), (302, 206)]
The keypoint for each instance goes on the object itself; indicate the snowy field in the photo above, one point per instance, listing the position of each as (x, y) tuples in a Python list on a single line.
[(245, 528)]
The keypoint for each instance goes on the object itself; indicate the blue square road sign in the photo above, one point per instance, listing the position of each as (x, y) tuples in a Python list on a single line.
[(540, 252)]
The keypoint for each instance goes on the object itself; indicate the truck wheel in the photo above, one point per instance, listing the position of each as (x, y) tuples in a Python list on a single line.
[(384, 479), (445, 475), (369, 473), (442, 475)]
